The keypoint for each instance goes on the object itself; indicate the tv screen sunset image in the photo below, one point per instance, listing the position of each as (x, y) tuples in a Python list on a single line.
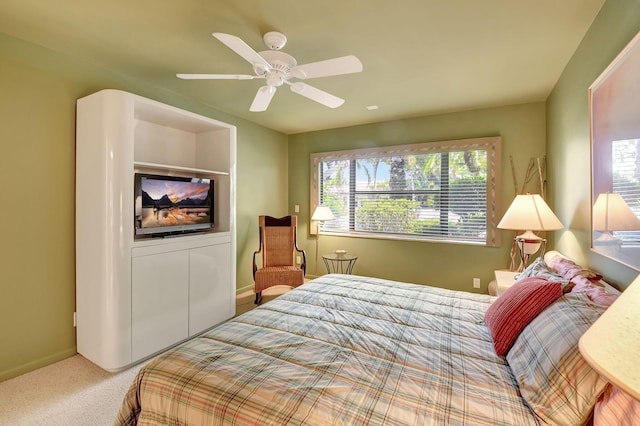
[(168, 202)]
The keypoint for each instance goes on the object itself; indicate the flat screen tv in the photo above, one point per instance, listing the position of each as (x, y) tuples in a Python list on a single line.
[(170, 205)]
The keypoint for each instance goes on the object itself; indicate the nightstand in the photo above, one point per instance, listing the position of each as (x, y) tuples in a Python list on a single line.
[(339, 263), (504, 280)]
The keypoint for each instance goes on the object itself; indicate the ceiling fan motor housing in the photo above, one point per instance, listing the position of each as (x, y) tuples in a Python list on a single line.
[(281, 66)]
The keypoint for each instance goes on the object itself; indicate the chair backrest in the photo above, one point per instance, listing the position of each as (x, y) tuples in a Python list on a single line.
[(278, 239)]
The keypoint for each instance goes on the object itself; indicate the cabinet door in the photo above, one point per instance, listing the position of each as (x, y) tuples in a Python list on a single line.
[(159, 301), (211, 297)]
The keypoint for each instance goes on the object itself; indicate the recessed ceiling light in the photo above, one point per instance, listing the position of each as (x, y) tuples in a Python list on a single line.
[(372, 107)]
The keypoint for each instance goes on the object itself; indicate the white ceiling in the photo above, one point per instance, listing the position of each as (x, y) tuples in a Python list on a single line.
[(420, 57)]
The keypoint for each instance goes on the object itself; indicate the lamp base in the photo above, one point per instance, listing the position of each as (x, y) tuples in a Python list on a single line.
[(528, 244)]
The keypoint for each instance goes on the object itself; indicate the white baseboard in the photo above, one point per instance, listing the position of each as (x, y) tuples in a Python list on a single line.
[(250, 287), (244, 289)]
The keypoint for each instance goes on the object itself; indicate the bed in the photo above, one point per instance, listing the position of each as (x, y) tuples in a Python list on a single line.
[(344, 350)]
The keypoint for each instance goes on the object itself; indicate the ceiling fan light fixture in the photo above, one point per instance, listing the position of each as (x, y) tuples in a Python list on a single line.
[(274, 79)]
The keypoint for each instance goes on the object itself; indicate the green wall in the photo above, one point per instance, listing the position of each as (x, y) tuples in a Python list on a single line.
[(522, 128), (568, 143), (37, 115), (37, 168)]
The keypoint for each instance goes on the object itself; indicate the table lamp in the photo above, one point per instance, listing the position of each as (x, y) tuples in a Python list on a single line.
[(321, 214), (612, 213), (611, 345), (530, 213)]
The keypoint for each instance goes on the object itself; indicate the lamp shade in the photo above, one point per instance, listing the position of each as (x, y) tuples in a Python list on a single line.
[(322, 213), (530, 212), (612, 213), (612, 344)]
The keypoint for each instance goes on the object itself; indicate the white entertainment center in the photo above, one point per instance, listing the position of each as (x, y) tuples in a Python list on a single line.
[(137, 296)]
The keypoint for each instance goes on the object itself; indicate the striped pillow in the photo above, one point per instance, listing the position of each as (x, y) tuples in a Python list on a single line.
[(511, 312), (616, 408), (554, 379)]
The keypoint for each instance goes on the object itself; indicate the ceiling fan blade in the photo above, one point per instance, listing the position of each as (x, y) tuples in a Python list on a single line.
[(262, 99), (317, 95), (243, 49), (216, 76), (337, 66)]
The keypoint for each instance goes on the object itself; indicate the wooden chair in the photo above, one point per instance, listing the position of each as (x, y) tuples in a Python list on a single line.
[(278, 240)]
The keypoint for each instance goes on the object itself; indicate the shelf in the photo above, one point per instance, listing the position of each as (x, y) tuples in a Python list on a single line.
[(178, 168)]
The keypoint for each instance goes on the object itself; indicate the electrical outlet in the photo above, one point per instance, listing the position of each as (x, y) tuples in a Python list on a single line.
[(75, 319), (476, 283), (297, 208), (298, 260)]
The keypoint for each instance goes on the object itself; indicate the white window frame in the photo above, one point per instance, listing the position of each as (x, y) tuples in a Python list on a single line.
[(492, 145)]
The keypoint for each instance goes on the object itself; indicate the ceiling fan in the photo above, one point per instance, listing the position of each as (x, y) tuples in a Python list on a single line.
[(278, 68)]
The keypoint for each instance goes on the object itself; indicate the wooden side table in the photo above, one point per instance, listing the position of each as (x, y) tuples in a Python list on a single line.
[(339, 263)]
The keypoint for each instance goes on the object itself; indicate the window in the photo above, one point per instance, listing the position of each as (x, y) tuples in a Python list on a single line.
[(439, 191), (625, 155)]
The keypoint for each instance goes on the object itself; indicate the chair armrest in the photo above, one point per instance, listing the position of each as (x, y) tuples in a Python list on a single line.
[(303, 266), (255, 266)]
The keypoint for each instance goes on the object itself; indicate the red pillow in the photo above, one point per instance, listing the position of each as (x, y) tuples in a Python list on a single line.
[(516, 307)]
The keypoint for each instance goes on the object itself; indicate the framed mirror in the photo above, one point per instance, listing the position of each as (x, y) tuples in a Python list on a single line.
[(614, 108)]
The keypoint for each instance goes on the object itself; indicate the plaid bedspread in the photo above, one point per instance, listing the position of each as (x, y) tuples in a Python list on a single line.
[(339, 350)]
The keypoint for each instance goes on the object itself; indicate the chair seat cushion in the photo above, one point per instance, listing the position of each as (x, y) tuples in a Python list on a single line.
[(278, 275)]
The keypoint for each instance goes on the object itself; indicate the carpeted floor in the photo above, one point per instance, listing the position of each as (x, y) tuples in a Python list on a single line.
[(71, 392), (75, 391)]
